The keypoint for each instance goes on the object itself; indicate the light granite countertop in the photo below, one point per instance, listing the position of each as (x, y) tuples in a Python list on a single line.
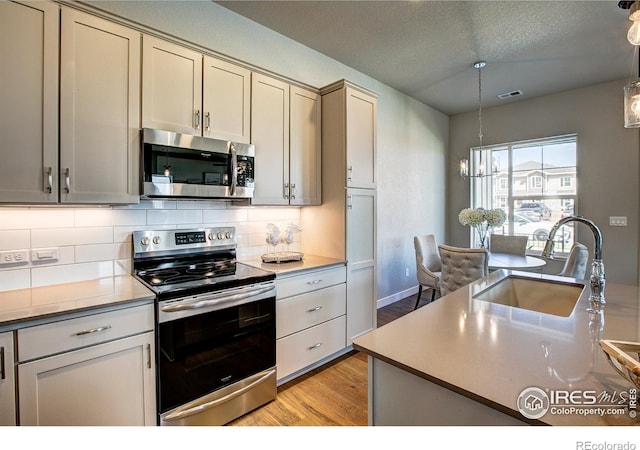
[(490, 353), (21, 306)]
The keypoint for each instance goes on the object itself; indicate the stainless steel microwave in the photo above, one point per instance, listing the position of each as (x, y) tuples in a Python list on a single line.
[(182, 165)]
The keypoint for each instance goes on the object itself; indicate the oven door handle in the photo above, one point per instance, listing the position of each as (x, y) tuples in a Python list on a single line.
[(198, 304), (191, 410)]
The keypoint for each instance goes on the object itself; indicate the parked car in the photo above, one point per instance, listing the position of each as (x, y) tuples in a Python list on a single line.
[(538, 230), (567, 211), (535, 209)]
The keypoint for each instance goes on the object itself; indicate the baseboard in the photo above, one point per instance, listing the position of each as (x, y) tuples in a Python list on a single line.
[(396, 297)]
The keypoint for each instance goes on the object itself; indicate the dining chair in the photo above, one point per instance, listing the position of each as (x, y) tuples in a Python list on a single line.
[(576, 264), (461, 266), (427, 264), (514, 245)]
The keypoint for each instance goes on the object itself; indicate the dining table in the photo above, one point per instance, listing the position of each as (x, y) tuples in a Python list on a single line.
[(514, 262)]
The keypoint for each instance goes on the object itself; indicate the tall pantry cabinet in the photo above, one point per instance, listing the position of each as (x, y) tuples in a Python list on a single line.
[(344, 226)]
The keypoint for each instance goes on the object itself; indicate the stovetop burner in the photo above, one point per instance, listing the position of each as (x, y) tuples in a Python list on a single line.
[(179, 263)]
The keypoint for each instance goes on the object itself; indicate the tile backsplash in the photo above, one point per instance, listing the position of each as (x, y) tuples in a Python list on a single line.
[(95, 242)]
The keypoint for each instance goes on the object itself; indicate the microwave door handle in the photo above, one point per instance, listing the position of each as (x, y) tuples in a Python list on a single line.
[(234, 168)]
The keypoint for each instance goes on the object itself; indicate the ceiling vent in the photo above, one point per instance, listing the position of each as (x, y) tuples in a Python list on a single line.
[(510, 94)]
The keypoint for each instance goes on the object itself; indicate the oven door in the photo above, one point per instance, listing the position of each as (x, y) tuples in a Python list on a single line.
[(216, 355)]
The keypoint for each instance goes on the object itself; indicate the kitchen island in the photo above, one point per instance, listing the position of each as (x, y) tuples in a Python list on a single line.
[(464, 361)]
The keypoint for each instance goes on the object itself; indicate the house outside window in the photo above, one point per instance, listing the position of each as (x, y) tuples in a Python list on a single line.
[(535, 184)]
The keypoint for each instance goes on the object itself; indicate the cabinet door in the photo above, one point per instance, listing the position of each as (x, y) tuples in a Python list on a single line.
[(361, 139), (226, 101), (7, 381), (29, 110), (99, 110), (107, 384), (361, 256), (171, 87), (304, 152), (270, 135)]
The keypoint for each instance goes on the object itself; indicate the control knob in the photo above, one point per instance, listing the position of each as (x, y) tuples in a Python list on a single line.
[(228, 235), (220, 235), (156, 239), (145, 241)]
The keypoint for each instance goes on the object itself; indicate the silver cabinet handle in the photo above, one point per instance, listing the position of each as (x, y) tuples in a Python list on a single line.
[(189, 411), (93, 330), (314, 282), (67, 180), (197, 119), (285, 191), (149, 358), (349, 202), (317, 308), (49, 183), (292, 192), (314, 346), (349, 173), (207, 117), (2, 369)]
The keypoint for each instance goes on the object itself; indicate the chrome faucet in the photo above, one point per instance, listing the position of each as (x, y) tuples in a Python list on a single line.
[(597, 279)]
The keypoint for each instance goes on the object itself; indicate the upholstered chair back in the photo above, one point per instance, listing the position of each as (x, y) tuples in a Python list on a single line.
[(461, 266), (576, 264)]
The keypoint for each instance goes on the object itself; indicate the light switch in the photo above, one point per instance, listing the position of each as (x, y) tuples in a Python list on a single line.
[(618, 221)]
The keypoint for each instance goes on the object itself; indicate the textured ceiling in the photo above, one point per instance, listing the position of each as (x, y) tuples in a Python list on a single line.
[(426, 49)]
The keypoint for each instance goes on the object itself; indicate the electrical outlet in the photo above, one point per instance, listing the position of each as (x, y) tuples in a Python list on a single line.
[(14, 257), (618, 221)]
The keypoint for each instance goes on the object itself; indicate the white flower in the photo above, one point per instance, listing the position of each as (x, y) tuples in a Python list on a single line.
[(478, 216), (471, 217), (495, 217)]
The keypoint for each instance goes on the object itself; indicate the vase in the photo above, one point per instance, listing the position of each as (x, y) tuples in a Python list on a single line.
[(482, 234)]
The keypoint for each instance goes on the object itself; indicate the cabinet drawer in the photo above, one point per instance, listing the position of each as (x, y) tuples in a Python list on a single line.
[(303, 311), (301, 349), (310, 281), (56, 337)]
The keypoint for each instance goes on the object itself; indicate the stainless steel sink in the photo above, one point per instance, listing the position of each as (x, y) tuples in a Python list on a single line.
[(534, 294)]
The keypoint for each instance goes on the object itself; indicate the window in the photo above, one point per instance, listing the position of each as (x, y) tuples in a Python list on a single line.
[(534, 182)]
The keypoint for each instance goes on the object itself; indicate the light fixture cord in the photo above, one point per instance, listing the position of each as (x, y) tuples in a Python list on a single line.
[(480, 106)]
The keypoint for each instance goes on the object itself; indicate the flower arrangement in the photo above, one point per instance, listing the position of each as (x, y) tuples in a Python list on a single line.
[(482, 219)]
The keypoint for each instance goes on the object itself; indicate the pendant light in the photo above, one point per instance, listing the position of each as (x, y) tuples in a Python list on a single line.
[(632, 89), (464, 163)]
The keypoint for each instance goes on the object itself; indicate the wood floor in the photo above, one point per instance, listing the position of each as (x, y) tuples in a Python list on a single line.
[(334, 394)]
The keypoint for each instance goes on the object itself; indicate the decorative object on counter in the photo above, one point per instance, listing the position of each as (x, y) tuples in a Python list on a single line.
[(482, 220), (618, 355), (275, 237)]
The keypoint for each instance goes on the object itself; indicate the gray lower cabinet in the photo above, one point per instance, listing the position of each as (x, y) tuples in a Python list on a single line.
[(92, 370), (7, 380), (310, 320)]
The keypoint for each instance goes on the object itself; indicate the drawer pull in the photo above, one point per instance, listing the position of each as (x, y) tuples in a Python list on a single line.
[(315, 346), (93, 330), (2, 370), (314, 282), (317, 308)]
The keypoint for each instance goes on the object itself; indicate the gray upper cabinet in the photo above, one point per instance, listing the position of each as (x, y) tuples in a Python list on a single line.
[(29, 111), (188, 92), (285, 128), (99, 110), (96, 94)]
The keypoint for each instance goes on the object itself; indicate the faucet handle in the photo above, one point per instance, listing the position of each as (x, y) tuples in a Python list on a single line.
[(548, 248)]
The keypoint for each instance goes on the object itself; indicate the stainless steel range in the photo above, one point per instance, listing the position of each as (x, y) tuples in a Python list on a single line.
[(215, 330)]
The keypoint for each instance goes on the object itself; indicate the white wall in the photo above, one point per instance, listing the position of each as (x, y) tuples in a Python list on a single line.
[(608, 163), (412, 148)]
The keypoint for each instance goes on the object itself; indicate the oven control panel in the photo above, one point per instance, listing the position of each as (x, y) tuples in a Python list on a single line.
[(147, 241)]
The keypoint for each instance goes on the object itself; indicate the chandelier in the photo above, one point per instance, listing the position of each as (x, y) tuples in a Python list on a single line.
[(464, 163)]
